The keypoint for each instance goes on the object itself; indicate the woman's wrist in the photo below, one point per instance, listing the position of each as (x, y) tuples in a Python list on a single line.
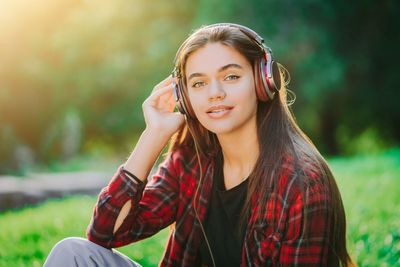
[(157, 133)]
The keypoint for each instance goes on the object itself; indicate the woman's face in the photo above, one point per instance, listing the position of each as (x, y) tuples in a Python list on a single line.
[(220, 85)]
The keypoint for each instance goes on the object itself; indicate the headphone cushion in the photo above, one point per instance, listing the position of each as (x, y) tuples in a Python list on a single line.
[(185, 107), (261, 72)]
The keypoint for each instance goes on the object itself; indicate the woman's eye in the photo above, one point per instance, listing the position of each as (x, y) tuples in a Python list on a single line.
[(232, 77), (197, 84)]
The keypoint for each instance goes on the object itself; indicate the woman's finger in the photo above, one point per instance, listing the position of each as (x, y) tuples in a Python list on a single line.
[(163, 83), (167, 101), (157, 98), (161, 91)]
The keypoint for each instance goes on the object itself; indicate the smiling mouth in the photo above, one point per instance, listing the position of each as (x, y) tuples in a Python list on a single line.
[(219, 110), (219, 113)]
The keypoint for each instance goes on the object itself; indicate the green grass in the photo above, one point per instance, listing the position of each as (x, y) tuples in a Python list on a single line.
[(27, 235), (370, 187)]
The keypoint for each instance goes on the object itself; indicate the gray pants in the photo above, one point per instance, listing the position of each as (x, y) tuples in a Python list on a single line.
[(76, 251)]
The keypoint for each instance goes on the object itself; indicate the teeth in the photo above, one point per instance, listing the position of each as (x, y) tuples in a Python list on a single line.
[(217, 110)]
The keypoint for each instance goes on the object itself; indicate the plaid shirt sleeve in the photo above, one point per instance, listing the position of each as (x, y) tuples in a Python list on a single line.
[(153, 207)]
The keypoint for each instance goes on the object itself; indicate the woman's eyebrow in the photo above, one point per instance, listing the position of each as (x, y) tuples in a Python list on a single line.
[(231, 65)]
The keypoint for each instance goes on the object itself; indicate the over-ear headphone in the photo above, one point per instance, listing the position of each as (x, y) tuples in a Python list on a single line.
[(267, 74)]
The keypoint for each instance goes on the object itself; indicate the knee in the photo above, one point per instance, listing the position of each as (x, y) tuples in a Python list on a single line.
[(71, 245)]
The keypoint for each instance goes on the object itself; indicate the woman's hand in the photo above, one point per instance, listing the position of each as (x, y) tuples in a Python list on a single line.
[(158, 109)]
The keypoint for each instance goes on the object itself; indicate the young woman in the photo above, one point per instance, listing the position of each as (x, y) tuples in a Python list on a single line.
[(241, 184)]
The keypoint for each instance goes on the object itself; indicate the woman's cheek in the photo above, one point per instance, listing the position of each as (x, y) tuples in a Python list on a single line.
[(196, 105)]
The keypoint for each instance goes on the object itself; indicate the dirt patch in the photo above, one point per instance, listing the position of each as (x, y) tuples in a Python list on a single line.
[(16, 192)]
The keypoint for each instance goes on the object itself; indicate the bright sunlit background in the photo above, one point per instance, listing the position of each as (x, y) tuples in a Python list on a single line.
[(74, 73)]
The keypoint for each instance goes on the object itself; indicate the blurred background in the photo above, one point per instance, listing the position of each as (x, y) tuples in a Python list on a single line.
[(74, 73)]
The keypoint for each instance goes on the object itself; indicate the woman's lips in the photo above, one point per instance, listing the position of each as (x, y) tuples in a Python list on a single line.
[(217, 112)]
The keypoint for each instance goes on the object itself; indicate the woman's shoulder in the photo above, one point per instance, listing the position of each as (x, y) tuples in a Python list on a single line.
[(304, 174), (184, 155), (180, 153)]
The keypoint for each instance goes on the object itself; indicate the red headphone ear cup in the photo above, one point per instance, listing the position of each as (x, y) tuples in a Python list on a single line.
[(270, 79), (261, 92)]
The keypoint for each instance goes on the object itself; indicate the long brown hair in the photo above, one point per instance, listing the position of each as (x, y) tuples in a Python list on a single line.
[(278, 135)]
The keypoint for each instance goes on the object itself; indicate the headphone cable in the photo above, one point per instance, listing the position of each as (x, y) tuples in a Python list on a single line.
[(197, 191)]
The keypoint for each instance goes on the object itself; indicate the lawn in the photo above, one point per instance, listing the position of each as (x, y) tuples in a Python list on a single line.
[(370, 187), (27, 235)]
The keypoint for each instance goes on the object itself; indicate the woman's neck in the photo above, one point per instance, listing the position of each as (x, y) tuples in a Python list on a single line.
[(240, 149)]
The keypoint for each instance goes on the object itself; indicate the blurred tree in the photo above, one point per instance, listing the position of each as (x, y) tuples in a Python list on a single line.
[(99, 59), (367, 38), (88, 65)]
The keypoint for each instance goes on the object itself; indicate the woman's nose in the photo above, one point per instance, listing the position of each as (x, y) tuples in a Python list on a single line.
[(216, 91)]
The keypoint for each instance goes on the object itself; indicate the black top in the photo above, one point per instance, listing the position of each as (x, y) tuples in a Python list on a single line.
[(222, 223)]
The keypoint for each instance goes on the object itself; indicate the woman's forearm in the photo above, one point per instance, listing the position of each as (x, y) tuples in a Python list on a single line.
[(146, 152), (140, 162)]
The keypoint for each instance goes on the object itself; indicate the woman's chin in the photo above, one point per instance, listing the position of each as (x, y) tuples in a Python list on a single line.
[(219, 128)]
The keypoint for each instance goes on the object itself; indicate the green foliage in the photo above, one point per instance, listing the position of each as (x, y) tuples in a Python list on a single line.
[(367, 142), (74, 73), (369, 185), (370, 188), (81, 75)]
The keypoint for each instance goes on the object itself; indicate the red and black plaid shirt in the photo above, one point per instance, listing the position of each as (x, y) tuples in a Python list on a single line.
[(168, 198)]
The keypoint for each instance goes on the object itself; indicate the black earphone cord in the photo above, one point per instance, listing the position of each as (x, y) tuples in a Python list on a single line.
[(195, 195)]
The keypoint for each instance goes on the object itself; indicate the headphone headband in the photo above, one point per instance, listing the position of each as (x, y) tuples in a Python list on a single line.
[(247, 31)]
